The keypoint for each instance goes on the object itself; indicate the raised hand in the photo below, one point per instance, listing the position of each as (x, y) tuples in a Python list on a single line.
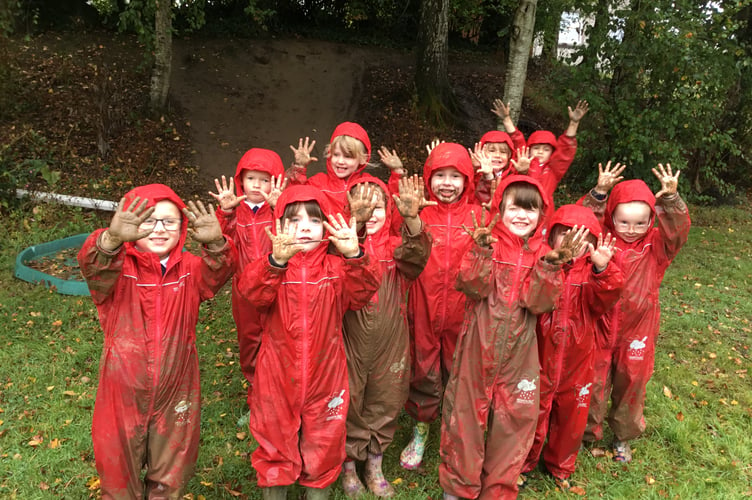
[(669, 181), (278, 185), (481, 233), (284, 246), (343, 236), (303, 152), (494, 185), (408, 201), (203, 225), (225, 194), (501, 110), (579, 111), (601, 253), (572, 245), (482, 162), (434, 143), (125, 223), (424, 202), (523, 160), (392, 160), (363, 201), (609, 177)]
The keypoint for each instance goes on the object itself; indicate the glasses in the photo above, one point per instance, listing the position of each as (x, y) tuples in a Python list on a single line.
[(167, 224)]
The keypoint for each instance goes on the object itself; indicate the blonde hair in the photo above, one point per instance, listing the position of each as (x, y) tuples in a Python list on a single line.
[(350, 146)]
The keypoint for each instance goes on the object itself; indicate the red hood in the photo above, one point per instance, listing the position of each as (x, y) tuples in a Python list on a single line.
[(262, 160), (449, 154), (542, 137), (156, 193), (500, 231), (297, 193), (350, 129), (626, 192), (498, 136), (576, 215)]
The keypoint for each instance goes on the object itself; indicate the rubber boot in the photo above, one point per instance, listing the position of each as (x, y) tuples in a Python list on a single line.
[(449, 496), (317, 493), (350, 481), (274, 493), (374, 476), (412, 456)]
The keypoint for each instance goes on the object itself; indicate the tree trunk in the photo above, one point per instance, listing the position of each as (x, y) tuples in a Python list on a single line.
[(435, 97), (551, 36), (519, 53), (160, 75)]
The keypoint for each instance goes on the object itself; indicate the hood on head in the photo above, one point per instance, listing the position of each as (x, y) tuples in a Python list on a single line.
[(497, 136), (297, 193), (542, 137), (450, 154), (626, 192), (501, 231), (576, 215), (155, 193), (352, 129), (262, 160)]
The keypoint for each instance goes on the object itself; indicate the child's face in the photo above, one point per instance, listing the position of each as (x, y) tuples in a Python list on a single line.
[(447, 184), (164, 223), (542, 152), (254, 183), (310, 230), (342, 164), (520, 221), (378, 218), (499, 154), (631, 220)]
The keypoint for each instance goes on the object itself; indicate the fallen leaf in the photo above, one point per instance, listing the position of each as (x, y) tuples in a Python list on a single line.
[(598, 452), (577, 491), (70, 393), (650, 480), (712, 355), (57, 323), (44, 486), (241, 435), (397, 481), (55, 443), (667, 392), (680, 417), (207, 483), (36, 441)]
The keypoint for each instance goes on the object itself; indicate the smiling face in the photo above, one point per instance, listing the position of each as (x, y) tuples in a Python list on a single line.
[(378, 218), (499, 153), (521, 208), (542, 152), (161, 241), (631, 220), (447, 184), (310, 225), (346, 154), (254, 183)]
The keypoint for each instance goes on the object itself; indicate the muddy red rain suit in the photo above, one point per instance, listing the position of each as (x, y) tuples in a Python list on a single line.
[(566, 349), (491, 401), (246, 228), (626, 353), (148, 406), (300, 398)]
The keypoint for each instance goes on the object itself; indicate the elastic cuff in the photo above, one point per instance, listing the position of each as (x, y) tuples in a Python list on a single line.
[(598, 196)]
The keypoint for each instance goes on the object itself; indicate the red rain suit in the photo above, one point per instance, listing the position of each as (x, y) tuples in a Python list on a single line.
[(626, 353), (551, 172), (148, 406), (566, 349), (247, 232), (377, 340), (300, 398), (491, 401), (334, 188), (435, 308)]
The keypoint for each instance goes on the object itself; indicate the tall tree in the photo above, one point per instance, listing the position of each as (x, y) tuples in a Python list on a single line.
[(519, 53), (160, 75), (435, 98)]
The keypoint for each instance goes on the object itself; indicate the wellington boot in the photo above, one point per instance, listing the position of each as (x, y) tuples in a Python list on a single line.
[(317, 493), (274, 493)]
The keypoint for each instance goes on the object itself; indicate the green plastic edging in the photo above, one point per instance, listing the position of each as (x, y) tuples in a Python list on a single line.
[(26, 273)]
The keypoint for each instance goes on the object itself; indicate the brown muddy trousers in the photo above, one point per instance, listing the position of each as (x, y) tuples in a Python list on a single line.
[(148, 406)]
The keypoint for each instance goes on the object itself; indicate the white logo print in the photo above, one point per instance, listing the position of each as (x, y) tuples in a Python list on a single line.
[(527, 391), (399, 368), (181, 413), (583, 396), (334, 407), (636, 350)]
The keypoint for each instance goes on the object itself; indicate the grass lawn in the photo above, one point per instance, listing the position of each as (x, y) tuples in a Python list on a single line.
[(698, 442)]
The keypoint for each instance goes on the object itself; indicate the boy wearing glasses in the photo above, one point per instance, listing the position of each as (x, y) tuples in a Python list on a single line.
[(147, 292)]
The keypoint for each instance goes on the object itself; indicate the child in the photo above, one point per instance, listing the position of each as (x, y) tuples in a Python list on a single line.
[(147, 292), (625, 363), (499, 150), (376, 337), (491, 404), (244, 216), (300, 398), (435, 308), (566, 344), (554, 155), (346, 157)]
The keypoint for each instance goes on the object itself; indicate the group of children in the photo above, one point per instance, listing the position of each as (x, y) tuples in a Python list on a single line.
[(462, 291)]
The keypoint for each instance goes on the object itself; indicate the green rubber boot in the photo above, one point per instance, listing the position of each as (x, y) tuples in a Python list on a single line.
[(274, 493), (317, 493)]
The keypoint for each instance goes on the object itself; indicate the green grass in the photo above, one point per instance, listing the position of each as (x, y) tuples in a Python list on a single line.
[(699, 410)]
